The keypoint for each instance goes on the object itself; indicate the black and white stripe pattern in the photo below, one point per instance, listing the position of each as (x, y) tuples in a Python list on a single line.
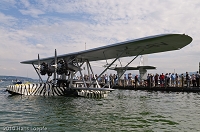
[(47, 89), (93, 94)]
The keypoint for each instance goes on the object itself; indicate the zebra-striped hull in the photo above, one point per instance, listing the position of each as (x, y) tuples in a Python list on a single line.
[(47, 89)]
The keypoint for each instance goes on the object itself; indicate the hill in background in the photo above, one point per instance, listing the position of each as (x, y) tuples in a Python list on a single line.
[(10, 78)]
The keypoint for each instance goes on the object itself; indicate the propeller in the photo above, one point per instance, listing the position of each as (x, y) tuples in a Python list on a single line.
[(45, 68), (42, 67), (38, 61), (58, 67), (55, 66)]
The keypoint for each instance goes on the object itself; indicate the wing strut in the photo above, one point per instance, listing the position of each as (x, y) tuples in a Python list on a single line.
[(110, 65), (126, 67), (112, 62), (93, 74), (120, 62), (90, 77)]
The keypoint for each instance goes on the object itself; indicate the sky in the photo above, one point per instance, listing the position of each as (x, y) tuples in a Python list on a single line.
[(32, 27)]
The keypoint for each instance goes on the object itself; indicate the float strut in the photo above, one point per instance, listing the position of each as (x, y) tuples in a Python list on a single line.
[(37, 73)]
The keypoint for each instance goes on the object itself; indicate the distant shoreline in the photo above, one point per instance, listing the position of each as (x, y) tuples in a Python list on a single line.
[(10, 78)]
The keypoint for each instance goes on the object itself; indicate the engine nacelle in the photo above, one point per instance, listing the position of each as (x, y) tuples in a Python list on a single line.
[(46, 69), (43, 68), (62, 67)]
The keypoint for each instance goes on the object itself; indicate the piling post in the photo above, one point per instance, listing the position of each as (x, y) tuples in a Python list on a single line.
[(199, 67)]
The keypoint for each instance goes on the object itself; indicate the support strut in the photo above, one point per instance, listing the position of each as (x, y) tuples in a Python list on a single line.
[(126, 67), (81, 73), (109, 65), (112, 62), (93, 74), (40, 79)]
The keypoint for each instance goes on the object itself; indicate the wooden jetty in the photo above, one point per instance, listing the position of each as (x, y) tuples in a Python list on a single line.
[(167, 89)]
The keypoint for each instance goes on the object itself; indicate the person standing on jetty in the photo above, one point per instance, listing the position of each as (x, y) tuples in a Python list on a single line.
[(182, 80), (169, 80), (193, 80), (162, 79), (197, 78), (148, 80), (188, 79), (115, 79), (136, 81), (130, 79), (172, 79), (125, 83), (156, 80), (111, 79), (166, 80), (176, 80)]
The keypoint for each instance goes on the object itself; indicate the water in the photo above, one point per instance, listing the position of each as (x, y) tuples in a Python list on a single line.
[(122, 110)]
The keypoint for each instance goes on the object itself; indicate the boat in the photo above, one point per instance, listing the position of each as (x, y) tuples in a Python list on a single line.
[(16, 82)]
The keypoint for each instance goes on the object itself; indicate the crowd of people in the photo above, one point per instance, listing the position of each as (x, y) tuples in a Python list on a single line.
[(157, 80), (104, 79), (173, 80)]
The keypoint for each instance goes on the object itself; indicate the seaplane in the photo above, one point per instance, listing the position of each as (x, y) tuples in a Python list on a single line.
[(63, 68)]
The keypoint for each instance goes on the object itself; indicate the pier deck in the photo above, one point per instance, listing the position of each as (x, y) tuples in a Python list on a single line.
[(167, 89)]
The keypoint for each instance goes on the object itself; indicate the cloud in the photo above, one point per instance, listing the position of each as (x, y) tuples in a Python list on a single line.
[(41, 26), (7, 20), (40, 46), (25, 3), (6, 4), (32, 12)]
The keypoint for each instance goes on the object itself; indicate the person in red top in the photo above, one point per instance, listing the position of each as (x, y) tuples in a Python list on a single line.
[(162, 79)]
